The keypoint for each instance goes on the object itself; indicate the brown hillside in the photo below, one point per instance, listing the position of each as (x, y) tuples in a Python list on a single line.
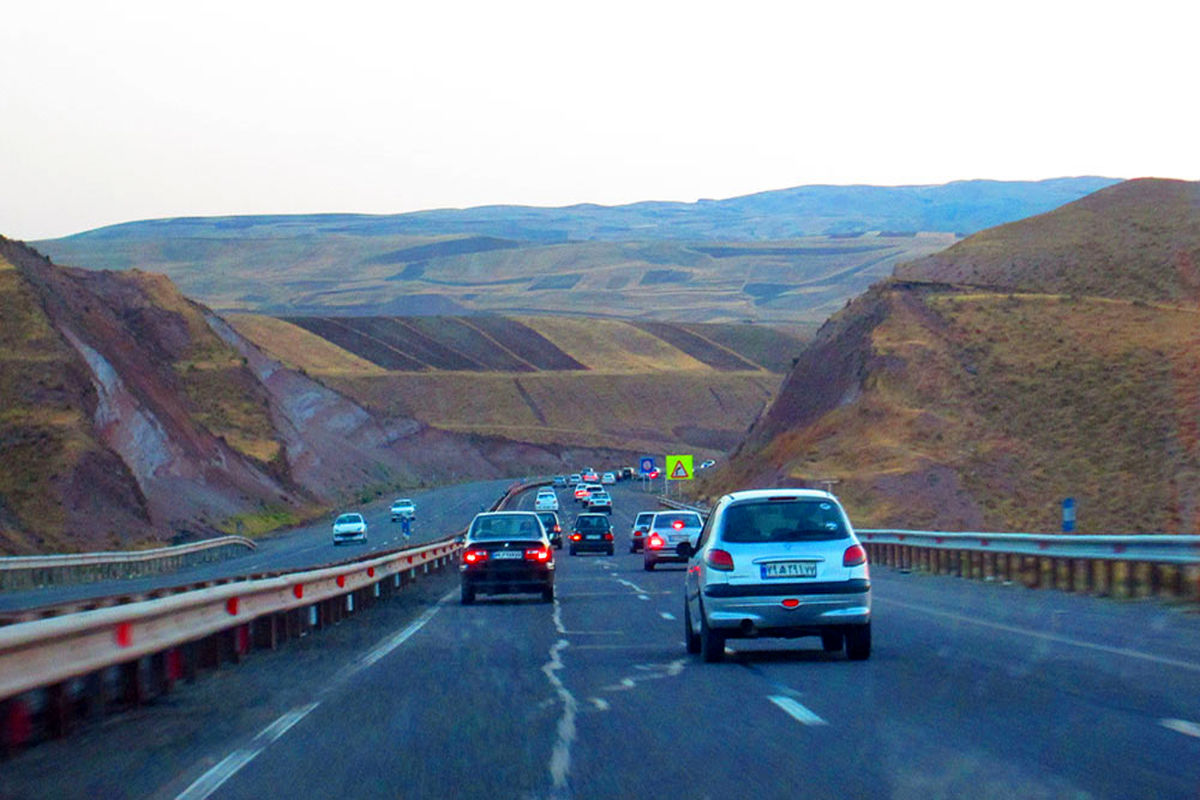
[(939, 408), (1136, 240)]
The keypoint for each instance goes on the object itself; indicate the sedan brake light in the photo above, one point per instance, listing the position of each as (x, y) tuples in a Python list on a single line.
[(475, 556), (575, 537), (537, 554), (655, 541), (608, 537), (719, 559), (855, 556)]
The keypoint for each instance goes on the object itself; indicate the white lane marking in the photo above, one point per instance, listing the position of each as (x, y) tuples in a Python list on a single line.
[(560, 754), (796, 711), (631, 585), (1181, 726), (600, 703), (666, 615), (212, 780), (1048, 637)]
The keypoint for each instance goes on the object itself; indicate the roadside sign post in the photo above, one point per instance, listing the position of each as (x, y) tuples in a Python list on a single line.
[(1068, 515), (680, 468), (647, 469)]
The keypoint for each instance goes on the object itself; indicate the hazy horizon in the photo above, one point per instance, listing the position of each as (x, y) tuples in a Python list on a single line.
[(138, 110)]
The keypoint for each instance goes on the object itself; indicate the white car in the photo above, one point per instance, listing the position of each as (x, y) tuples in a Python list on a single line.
[(402, 508), (608, 478), (349, 528), (546, 501)]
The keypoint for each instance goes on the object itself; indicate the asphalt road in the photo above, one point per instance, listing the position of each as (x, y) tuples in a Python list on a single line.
[(973, 690), (440, 512)]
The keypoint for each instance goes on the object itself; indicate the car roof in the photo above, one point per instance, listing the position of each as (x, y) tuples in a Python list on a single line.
[(766, 494)]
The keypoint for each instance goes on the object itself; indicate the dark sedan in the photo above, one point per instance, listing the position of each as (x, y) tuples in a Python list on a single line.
[(506, 552)]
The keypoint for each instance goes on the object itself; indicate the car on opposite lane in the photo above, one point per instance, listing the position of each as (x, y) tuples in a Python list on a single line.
[(781, 563), (506, 552), (349, 527), (403, 508), (667, 531), (592, 533)]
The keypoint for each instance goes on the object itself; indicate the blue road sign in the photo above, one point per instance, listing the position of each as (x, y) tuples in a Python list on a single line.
[(647, 465), (1068, 508)]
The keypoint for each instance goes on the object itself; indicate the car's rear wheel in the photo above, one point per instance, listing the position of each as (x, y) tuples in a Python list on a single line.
[(611, 550), (691, 640), (572, 551), (712, 643), (633, 548), (831, 641), (648, 566), (548, 594), (858, 642), (468, 594)]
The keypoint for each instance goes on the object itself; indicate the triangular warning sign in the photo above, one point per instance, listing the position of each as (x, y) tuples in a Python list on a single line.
[(680, 472)]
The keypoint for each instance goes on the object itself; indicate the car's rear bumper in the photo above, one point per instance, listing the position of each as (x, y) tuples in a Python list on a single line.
[(591, 546), (760, 611), (509, 580)]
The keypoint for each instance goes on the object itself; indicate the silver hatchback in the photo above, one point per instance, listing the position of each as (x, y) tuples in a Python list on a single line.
[(778, 562)]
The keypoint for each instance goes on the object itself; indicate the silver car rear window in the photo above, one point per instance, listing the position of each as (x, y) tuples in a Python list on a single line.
[(800, 520)]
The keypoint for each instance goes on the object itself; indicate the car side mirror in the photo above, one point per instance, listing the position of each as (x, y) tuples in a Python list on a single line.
[(684, 549)]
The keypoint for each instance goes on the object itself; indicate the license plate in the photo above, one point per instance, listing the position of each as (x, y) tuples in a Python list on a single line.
[(790, 569), (593, 536), (677, 539), (508, 554)]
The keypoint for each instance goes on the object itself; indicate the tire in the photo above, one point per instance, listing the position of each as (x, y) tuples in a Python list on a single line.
[(648, 566), (858, 642), (548, 594), (712, 643), (573, 552), (691, 640), (632, 548), (468, 595), (611, 551), (831, 641)]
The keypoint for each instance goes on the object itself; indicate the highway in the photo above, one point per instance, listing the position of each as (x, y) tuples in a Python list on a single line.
[(440, 512), (973, 690)]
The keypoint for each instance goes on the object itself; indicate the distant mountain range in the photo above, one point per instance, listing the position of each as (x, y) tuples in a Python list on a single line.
[(961, 207), (792, 256)]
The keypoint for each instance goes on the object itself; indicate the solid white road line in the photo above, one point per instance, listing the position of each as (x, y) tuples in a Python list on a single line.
[(796, 711), (1181, 726), (1046, 637), (560, 754), (210, 781)]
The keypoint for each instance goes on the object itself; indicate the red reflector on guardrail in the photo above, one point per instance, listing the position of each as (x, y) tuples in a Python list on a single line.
[(370, 572), (124, 634), (231, 605), (298, 590), (341, 581)]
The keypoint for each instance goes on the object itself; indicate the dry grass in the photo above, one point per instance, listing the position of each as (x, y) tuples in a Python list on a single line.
[(299, 349), (610, 346)]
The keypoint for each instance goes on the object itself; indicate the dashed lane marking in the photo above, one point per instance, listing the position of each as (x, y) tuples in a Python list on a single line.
[(666, 615), (1181, 726), (796, 711), (600, 703)]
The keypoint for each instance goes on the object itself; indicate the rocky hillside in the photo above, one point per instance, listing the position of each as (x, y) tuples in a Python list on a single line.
[(133, 416), (1055, 357)]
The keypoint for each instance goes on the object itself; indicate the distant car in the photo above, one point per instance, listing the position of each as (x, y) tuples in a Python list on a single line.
[(553, 527), (599, 501), (560, 480), (608, 478), (574, 479), (637, 534), (591, 477), (591, 533), (403, 508), (778, 562), (588, 488), (506, 552), (667, 531), (706, 463), (546, 501), (349, 528), (626, 473), (581, 492)]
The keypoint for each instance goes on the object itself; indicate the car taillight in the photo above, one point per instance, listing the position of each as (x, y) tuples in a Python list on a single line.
[(608, 537), (575, 537), (719, 559), (558, 528), (654, 542), (537, 554), (677, 524), (475, 556), (855, 556)]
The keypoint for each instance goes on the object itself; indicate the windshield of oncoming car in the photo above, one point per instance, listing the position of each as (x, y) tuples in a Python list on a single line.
[(799, 520), (506, 526), (347, 519), (668, 520)]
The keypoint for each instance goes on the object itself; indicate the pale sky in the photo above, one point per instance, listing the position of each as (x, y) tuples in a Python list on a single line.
[(118, 111)]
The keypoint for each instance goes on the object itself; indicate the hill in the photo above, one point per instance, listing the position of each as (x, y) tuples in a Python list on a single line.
[(784, 256), (955, 406), (133, 416)]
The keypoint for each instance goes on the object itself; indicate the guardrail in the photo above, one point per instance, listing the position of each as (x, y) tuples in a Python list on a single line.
[(56, 669), (29, 572), (1144, 565)]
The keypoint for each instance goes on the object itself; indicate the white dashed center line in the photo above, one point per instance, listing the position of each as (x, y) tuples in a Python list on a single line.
[(666, 615), (796, 711), (1181, 726)]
